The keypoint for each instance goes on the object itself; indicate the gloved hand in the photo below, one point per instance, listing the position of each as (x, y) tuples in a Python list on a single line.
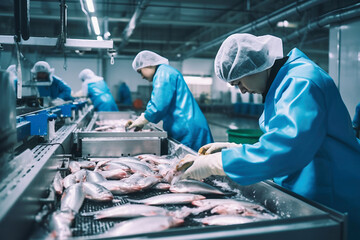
[(204, 166), (138, 124), (216, 147), (57, 101)]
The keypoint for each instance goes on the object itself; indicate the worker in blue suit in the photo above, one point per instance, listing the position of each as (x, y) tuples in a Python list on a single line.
[(171, 101), (356, 120), (124, 94), (308, 145), (97, 90), (50, 85)]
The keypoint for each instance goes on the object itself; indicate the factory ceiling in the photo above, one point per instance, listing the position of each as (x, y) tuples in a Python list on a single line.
[(179, 29)]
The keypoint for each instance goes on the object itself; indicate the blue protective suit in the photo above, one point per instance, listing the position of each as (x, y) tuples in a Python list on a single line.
[(308, 144), (57, 89), (101, 97), (172, 102), (356, 120), (124, 94)]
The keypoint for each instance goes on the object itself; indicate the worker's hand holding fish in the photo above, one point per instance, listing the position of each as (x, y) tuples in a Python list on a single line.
[(202, 166), (138, 124), (216, 147)]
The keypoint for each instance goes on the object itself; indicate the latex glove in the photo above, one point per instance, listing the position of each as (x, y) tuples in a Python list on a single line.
[(138, 124), (216, 147), (204, 166), (57, 101)]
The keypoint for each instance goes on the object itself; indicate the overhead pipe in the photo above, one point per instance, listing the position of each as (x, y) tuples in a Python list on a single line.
[(128, 31), (345, 14), (268, 20)]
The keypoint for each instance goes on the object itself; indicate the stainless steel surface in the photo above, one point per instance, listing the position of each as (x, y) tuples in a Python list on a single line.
[(117, 146)]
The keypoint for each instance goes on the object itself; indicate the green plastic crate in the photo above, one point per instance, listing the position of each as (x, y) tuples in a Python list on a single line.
[(244, 135)]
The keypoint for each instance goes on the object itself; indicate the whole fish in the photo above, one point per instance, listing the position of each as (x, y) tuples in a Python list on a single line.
[(60, 224), (138, 167), (130, 211), (119, 187), (142, 225), (172, 198), (193, 186), (232, 209), (161, 186), (80, 176), (109, 165), (74, 166), (73, 198), (153, 159), (226, 220), (94, 177), (147, 182), (97, 192), (69, 180), (87, 165), (211, 203), (58, 183), (114, 174)]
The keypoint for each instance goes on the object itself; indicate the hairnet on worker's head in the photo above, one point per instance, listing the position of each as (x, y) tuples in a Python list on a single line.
[(86, 74), (148, 58), (42, 66), (244, 54)]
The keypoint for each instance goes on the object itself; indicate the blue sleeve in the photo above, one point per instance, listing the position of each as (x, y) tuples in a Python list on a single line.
[(356, 120), (164, 86), (293, 135), (64, 91)]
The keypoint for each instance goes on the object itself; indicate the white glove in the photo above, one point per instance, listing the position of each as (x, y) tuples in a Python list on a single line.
[(204, 166), (138, 124), (216, 147), (57, 101)]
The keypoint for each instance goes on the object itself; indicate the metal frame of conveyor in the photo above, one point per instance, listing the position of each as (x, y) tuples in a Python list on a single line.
[(21, 196)]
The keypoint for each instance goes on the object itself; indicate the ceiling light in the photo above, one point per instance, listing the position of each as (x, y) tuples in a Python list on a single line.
[(90, 6), (286, 24), (95, 25)]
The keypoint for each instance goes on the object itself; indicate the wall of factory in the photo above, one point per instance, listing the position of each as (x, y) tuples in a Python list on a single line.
[(344, 62)]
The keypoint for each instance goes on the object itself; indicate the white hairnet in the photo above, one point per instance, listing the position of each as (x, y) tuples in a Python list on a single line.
[(244, 54), (147, 58), (86, 74), (42, 66)]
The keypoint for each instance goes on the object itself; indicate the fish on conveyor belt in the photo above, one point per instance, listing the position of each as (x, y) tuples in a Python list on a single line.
[(171, 198), (161, 186), (153, 159), (58, 183), (60, 223), (104, 128), (120, 187), (74, 166), (194, 186), (233, 209), (87, 165), (227, 220), (94, 177), (147, 182), (240, 204), (130, 211), (114, 174), (106, 165), (80, 176), (73, 198), (97, 192), (69, 180), (142, 225)]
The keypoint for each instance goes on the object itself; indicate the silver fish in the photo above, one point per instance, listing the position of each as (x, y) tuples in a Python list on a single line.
[(73, 198), (130, 211), (60, 224), (216, 202), (74, 166), (58, 183), (96, 192), (69, 180), (119, 187), (114, 174), (142, 225), (80, 176), (193, 186), (172, 198), (87, 165), (94, 177), (226, 220), (147, 182), (161, 186), (109, 165)]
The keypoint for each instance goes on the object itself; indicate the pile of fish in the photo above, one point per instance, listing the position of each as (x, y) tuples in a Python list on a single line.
[(99, 179), (115, 126)]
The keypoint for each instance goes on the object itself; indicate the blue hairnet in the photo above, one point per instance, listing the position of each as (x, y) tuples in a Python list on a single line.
[(244, 54)]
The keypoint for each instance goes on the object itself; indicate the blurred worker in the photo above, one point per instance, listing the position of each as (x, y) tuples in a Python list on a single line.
[(97, 90), (50, 85), (308, 145), (171, 101), (13, 75), (124, 94), (356, 120)]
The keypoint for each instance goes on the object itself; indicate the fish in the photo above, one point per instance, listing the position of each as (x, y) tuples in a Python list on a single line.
[(80, 176), (153, 159), (216, 202), (194, 186), (161, 186), (94, 177), (171, 198), (147, 182), (69, 180), (103, 128), (114, 174), (73, 198), (60, 223), (119, 187), (74, 166), (130, 211), (142, 225), (109, 165), (58, 183), (97, 192), (87, 165), (226, 220)]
